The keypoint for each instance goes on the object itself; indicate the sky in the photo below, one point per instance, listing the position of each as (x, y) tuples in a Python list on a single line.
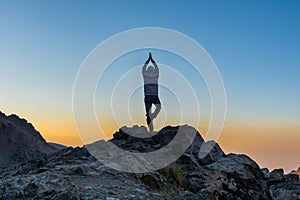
[(254, 44)]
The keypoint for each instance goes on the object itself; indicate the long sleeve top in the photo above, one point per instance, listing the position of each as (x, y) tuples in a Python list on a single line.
[(150, 79)]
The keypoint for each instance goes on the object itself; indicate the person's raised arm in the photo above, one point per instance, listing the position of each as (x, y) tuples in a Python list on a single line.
[(155, 65), (145, 65)]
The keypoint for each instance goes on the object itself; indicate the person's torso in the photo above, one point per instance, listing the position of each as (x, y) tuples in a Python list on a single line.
[(151, 85), (151, 89)]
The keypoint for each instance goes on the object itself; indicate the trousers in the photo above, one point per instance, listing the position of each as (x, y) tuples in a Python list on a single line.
[(149, 101)]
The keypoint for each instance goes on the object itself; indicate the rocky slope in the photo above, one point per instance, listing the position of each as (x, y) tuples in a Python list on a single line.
[(19, 141), (75, 174)]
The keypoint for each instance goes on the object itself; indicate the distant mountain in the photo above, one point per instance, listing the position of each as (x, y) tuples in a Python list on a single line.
[(57, 146), (19, 141)]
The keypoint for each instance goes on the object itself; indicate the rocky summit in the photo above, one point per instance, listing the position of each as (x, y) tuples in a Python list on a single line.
[(73, 173)]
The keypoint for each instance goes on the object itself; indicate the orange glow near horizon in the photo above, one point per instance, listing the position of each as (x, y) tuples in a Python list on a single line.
[(270, 145)]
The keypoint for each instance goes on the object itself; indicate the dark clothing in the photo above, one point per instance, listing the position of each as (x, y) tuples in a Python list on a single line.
[(149, 100), (151, 89), (150, 76)]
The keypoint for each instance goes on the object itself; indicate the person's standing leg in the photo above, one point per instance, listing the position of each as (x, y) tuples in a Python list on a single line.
[(148, 104)]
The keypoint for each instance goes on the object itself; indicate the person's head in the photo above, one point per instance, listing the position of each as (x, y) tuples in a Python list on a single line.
[(150, 69)]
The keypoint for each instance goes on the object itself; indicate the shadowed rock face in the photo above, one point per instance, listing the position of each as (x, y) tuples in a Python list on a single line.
[(19, 141), (282, 186), (75, 174), (125, 139)]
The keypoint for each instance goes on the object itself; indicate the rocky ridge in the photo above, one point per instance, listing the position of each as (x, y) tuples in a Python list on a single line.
[(73, 173), (19, 141)]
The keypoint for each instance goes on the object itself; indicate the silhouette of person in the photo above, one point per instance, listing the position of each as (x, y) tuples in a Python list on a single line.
[(150, 75)]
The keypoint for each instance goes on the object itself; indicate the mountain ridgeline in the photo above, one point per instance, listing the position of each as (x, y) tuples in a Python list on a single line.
[(73, 173), (19, 141)]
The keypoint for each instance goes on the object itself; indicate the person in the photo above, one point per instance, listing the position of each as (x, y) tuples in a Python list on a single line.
[(150, 76)]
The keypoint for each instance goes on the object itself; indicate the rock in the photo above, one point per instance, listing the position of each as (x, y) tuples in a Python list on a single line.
[(42, 169), (266, 173), (202, 172), (20, 142), (296, 171), (111, 198), (288, 188), (137, 131), (234, 176), (8, 196), (120, 135), (187, 195), (210, 152), (292, 178), (78, 171), (276, 175), (154, 180), (30, 190), (23, 125), (69, 174), (284, 186)]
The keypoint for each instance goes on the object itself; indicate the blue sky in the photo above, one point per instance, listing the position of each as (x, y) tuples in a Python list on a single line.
[(255, 45)]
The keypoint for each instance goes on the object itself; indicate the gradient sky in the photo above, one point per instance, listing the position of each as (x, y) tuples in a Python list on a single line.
[(255, 44)]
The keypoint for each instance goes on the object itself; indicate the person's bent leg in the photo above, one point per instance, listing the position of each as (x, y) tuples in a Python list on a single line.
[(156, 111), (157, 107)]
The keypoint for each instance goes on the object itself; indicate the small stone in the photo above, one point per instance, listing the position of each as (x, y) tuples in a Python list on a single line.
[(265, 172), (112, 198)]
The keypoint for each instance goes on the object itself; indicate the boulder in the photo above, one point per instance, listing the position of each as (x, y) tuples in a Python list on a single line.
[(266, 173), (286, 188), (233, 176), (276, 175)]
